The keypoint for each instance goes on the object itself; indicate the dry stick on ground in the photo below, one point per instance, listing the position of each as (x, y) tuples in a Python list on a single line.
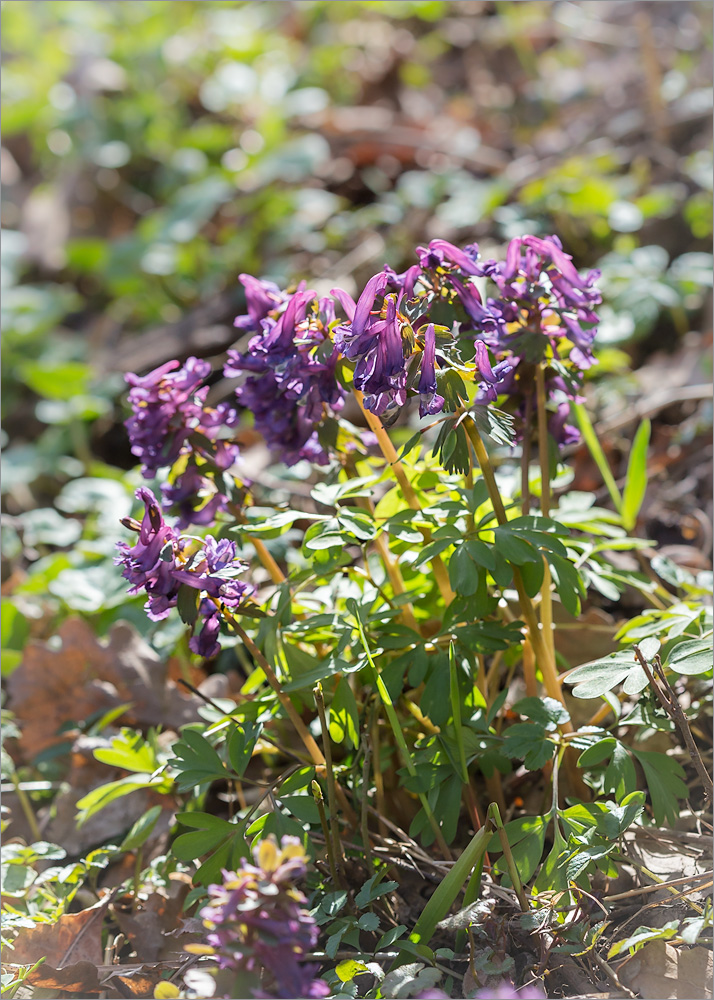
[(670, 703)]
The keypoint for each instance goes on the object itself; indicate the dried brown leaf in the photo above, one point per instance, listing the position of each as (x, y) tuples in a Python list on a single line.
[(83, 676)]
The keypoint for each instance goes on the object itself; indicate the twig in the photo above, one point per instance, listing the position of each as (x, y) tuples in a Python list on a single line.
[(670, 703)]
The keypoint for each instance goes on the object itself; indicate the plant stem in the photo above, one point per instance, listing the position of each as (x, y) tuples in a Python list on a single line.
[(364, 825), (399, 738), (26, 807), (330, 774), (526, 456), (544, 658), (546, 601), (390, 454), (670, 703), (331, 859), (301, 729)]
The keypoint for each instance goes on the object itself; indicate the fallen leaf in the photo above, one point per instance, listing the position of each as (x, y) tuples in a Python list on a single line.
[(74, 938), (154, 928), (85, 774), (54, 686), (661, 971)]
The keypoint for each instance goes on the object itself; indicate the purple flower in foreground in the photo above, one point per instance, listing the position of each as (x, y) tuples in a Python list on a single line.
[(162, 560), (257, 922)]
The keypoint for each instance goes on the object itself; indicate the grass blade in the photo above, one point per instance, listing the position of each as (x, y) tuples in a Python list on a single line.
[(636, 481)]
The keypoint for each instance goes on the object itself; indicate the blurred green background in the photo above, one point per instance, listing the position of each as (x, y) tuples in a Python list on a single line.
[(153, 151)]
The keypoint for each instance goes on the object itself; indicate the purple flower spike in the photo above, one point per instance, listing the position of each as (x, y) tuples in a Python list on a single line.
[(257, 924), (162, 560), (167, 405), (430, 402)]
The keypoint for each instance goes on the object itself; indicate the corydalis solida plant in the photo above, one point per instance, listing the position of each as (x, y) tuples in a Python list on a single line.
[(428, 332)]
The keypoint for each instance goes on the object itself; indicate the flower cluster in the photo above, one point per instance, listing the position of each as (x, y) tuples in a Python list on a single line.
[(257, 922), (162, 561), (292, 385), (171, 425), (547, 317)]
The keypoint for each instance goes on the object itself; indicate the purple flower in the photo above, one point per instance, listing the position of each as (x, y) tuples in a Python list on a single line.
[(257, 923), (162, 560), (293, 385), (167, 405), (491, 376), (440, 253), (169, 408), (561, 432), (430, 401), (261, 298)]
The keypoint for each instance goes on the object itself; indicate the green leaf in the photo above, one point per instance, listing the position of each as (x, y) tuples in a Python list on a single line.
[(527, 850), (210, 831), (528, 741), (593, 679), (463, 571), (547, 712), (141, 830), (567, 582), (636, 478), (620, 775), (515, 549), (532, 575), (372, 889), (343, 715), (597, 753), (358, 522), (129, 751), (665, 780), (690, 657), (96, 800), (240, 745), (347, 970), (187, 603), (644, 934), (197, 761)]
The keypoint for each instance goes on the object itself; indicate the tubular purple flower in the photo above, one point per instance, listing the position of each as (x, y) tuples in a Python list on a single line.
[(261, 298), (430, 402), (159, 564), (444, 251), (374, 286)]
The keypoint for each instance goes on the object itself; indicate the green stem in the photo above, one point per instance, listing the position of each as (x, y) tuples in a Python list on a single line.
[(399, 736), (544, 658), (331, 859), (329, 774), (546, 600), (26, 807)]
